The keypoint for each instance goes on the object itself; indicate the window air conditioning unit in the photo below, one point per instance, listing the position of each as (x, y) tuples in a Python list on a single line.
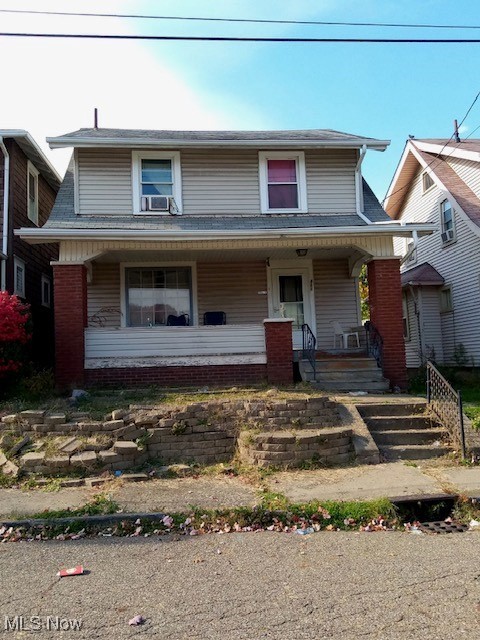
[(156, 203), (447, 235)]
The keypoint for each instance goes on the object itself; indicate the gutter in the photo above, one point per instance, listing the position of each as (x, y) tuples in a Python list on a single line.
[(42, 235), (358, 185), (6, 191)]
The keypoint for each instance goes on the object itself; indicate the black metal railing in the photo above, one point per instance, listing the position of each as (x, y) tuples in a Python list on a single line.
[(374, 343), (446, 404), (309, 346)]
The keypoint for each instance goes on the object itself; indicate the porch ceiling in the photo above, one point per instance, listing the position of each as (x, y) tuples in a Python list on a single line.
[(231, 255)]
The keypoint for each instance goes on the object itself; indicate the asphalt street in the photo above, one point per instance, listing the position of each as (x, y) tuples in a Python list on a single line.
[(248, 585)]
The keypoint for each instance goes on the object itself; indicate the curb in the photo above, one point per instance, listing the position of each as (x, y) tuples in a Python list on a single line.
[(91, 520)]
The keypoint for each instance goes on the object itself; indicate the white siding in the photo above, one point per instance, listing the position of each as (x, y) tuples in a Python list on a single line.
[(215, 181), (103, 295), (412, 346), (458, 263), (469, 172), (336, 298), (431, 323), (105, 181)]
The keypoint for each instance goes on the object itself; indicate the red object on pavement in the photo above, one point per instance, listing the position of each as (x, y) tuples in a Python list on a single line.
[(75, 571)]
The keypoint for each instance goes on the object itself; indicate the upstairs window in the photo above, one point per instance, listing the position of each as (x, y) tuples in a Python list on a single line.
[(427, 182), (157, 185), (283, 187), (447, 222), (32, 193)]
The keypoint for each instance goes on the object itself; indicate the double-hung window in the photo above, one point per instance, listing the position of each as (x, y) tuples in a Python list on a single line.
[(156, 181), (447, 222), (283, 185), (32, 193), (155, 293)]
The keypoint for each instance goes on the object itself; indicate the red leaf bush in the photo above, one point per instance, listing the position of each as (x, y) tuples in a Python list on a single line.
[(15, 332)]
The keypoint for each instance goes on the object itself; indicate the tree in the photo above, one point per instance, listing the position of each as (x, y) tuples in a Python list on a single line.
[(15, 333), (363, 286)]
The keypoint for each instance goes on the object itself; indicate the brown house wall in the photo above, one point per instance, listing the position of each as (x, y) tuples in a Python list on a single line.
[(36, 257)]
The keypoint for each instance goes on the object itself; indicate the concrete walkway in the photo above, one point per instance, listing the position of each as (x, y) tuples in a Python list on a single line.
[(363, 482)]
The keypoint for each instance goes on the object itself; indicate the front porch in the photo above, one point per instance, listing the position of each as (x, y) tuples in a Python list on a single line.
[(119, 308)]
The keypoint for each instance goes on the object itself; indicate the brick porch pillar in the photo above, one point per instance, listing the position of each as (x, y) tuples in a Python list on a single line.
[(385, 300), (279, 346), (70, 296)]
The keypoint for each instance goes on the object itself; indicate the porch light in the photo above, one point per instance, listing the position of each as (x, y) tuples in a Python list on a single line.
[(301, 253)]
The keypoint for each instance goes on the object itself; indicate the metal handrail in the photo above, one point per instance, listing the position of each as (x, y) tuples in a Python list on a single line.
[(446, 404), (374, 343), (309, 347)]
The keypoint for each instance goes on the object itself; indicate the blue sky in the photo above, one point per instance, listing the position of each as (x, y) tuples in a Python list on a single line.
[(381, 90)]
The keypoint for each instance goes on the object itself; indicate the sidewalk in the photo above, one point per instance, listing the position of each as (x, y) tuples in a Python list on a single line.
[(364, 482)]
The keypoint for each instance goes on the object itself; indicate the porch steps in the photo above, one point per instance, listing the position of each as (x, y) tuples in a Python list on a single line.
[(345, 374), (402, 431)]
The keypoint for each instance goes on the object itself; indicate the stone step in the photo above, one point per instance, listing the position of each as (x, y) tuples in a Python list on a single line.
[(413, 452), (397, 423), (352, 385), (408, 437), (392, 409)]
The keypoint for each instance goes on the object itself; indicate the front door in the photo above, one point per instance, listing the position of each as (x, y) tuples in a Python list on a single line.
[(291, 298)]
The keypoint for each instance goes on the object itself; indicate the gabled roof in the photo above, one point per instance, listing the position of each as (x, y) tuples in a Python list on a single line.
[(415, 156), (158, 138), (33, 152), (422, 275)]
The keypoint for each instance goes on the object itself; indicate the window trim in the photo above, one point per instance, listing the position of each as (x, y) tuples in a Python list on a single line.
[(425, 175), (299, 157), (446, 308), (17, 262), (137, 157), (156, 265), (442, 223), (32, 170), (413, 256), (46, 280)]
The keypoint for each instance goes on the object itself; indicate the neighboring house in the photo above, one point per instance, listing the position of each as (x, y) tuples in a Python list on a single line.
[(28, 186), (438, 181), (182, 253)]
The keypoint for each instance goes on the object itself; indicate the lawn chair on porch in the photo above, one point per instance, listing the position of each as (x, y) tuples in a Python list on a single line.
[(339, 332)]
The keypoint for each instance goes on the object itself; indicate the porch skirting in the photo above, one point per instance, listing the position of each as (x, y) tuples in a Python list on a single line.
[(197, 376)]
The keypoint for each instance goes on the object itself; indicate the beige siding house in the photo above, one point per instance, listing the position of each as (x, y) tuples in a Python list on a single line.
[(184, 255), (438, 181)]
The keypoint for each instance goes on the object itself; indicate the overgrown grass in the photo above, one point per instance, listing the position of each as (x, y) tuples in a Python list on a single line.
[(101, 504)]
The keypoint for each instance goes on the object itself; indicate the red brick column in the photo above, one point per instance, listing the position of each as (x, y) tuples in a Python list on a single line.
[(278, 341), (385, 300), (70, 296)]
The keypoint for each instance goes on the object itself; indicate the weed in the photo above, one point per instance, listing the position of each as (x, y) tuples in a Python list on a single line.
[(101, 504), (179, 427), (410, 463)]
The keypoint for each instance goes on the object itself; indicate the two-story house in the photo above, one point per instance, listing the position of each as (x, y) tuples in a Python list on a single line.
[(438, 181), (28, 187), (203, 257)]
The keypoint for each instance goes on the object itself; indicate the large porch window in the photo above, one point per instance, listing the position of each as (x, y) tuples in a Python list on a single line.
[(155, 293)]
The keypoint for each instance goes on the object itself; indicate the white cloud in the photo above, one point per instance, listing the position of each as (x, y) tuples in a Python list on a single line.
[(54, 85)]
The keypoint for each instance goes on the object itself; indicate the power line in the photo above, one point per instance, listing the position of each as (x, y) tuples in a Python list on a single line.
[(97, 36), (437, 156), (239, 20)]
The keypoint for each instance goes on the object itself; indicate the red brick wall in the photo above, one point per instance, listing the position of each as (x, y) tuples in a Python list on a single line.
[(385, 300), (219, 375), (70, 293), (278, 340)]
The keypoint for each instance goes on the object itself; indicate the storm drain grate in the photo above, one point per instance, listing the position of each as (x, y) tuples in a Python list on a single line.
[(440, 526)]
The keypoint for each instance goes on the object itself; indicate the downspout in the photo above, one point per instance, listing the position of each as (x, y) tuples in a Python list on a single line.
[(358, 185), (6, 189)]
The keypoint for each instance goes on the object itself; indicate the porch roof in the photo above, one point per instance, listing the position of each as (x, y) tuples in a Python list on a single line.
[(422, 275)]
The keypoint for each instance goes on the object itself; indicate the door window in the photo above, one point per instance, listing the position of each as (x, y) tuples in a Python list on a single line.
[(291, 299)]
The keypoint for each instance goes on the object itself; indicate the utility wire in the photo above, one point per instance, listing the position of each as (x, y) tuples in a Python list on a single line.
[(437, 156), (97, 36), (239, 20)]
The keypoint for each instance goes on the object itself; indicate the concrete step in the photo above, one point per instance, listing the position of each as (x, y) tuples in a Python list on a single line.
[(408, 437), (340, 364), (350, 374), (397, 423), (413, 452), (392, 409), (352, 385)]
